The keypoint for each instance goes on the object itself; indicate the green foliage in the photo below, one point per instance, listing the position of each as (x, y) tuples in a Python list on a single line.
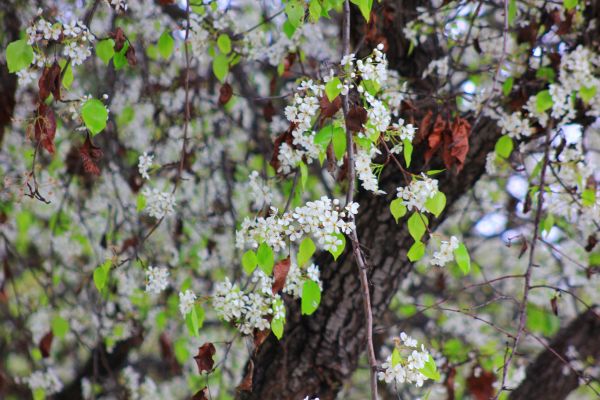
[(101, 275), (311, 297), (365, 7), (220, 66), (340, 249), (570, 4), (416, 251), (543, 101), (587, 93), (265, 258), (249, 261), (105, 50), (407, 151), (508, 85), (430, 370), (294, 10), (462, 258), (165, 45), (398, 209), (224, 43), (417, 225), (60, 326), (94, 115), (588, 197), (277, 328), (396, 358), (504, 146), (19, 55), (195, 319), (436, 204), (333, 88), (306, 250)]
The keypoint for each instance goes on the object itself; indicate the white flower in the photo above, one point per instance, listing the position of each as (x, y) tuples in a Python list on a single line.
[(144, 163), (159, 204), (416, 194), (446, 253), (158, 279), (186, 302), (48, 381)]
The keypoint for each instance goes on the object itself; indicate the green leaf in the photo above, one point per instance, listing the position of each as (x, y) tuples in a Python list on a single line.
[(436, 204), (119, 58), (19, 55), (249, 261), (333, 88), (588, 197), (305, 251), (364, 6), (398, 209), (587, 93), (417, 225), (508, 85), (311, 297), (396, 358), (220, 66), (323, 137), (462, 258), (430, 369), (416, 251), (435, 172), (140, 202), (314, 10), (67, 79), (60, 326), (100, 277), (512, 11), (265, 258), (192, 320), (504, 146), (303, 175), (570, 4), (105, 50), (408, 149), (545, 73), (339, 142), (294, 10), (289, 31), (39, 394), (165, 45), (224, 43), (543, 101), (340, 249), (181, 352), (277, 327), (94, 115)]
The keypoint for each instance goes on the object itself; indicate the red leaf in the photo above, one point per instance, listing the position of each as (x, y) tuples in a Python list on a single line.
[(246, 384), (225, 94), (357, 117), (434, 140), (328, 109), (204, 358), (50, 82), (461, 129), (46, 344), (90, 155), (130, 54), (45, 127), (280, 272), (202, 394), (480, 385), (424, 126), (119, 37), (260, 337)]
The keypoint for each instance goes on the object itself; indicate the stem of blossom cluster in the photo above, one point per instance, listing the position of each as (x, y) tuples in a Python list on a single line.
[(527, 284), (357, 252)]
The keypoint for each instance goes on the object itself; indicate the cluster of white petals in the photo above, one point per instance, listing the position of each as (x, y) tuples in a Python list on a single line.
[(159, 204), (446, 252), (405, 370), (416, 194)]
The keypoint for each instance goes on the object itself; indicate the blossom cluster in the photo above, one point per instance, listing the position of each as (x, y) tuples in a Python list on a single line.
[(322, 219), (159, 204), (74, 35), (446, 252), (157, 279), (405, 369), (144, 164), (47, 380), (418, 192)]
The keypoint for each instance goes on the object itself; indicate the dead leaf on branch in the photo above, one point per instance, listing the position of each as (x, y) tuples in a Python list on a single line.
[(90, 155), (45, 127), (225, 93), (328, 108), (481, 384), (357, 117), (50, 82), (201, 394), (46, 344), (204, 358), (280, 272), (452, 139)]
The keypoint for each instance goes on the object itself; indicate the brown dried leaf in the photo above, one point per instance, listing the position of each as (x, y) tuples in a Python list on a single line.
[(119, 37), (225, 93), (260, 337), (204, 358), (46, 344), (280, 272), (461, 129), (357, 117), (90, 155), (480, 386), (592, 240), (45, 127), (329, 109), (131, 58), (50, 82), (435, 138)]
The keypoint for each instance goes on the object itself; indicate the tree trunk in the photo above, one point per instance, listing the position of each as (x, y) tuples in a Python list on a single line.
[(545, 378)]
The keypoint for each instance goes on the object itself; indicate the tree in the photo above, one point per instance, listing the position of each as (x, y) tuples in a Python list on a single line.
[(313, 199)]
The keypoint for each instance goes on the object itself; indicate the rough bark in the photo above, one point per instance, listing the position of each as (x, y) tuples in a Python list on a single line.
[(8, 81), (545, 378)]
